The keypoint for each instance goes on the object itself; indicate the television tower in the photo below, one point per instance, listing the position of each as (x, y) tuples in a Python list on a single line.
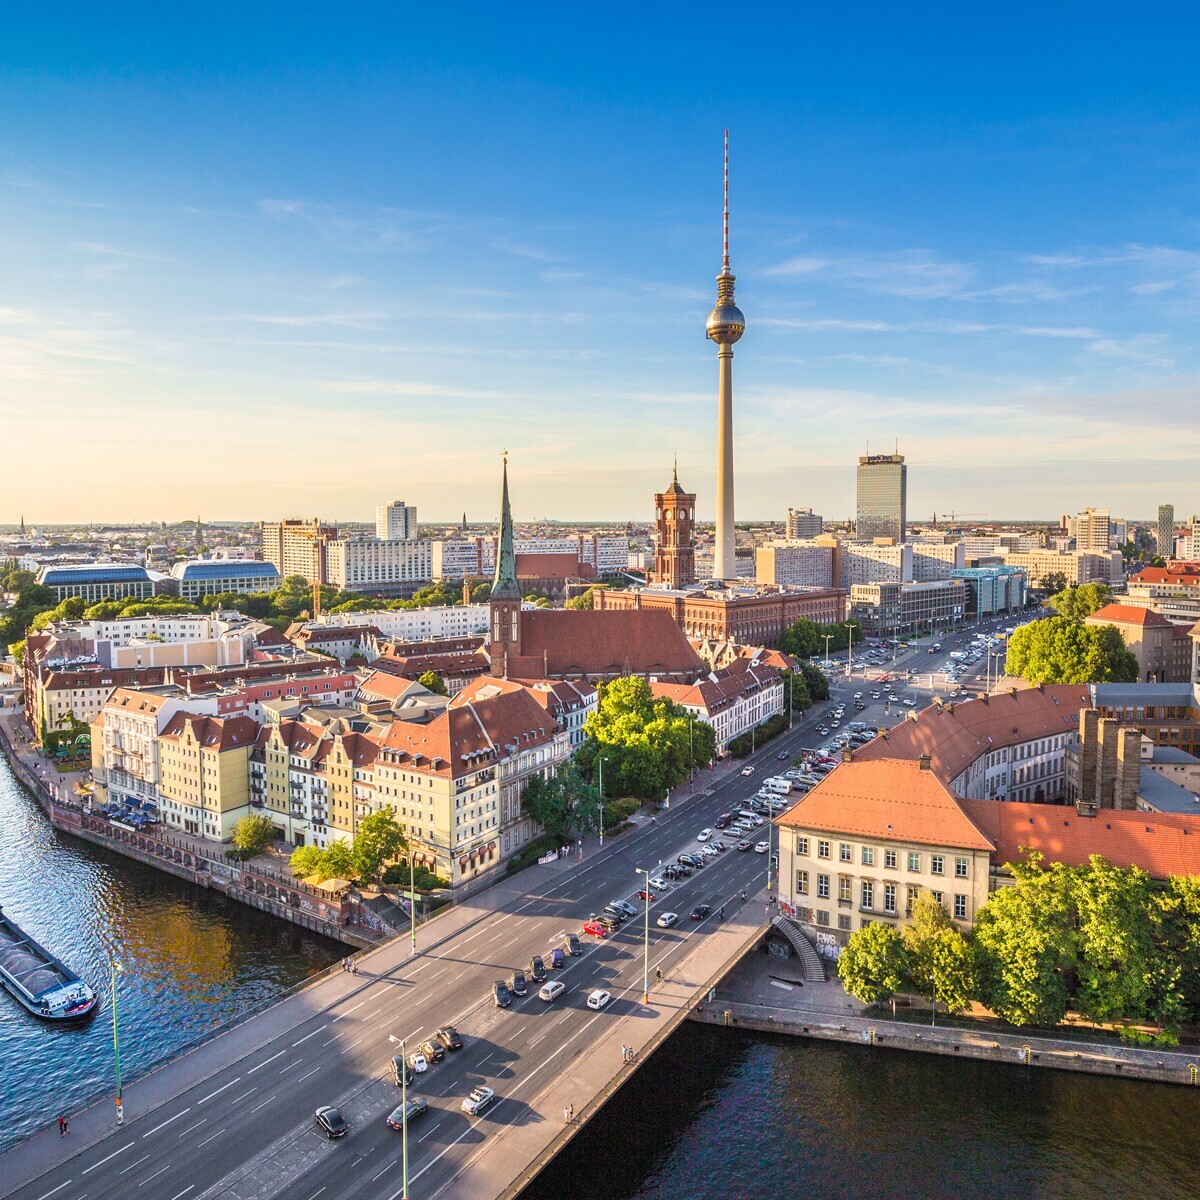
[(725, 326)]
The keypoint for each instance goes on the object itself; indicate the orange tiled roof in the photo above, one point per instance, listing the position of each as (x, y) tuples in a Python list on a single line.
[(889, 799), (213, 733), (1125, 614), (1161, 844)]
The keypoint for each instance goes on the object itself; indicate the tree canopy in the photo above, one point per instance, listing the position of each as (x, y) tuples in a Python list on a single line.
[(1062, 650), (377, 839), (433, 681), (1081, 600), (805, 638)]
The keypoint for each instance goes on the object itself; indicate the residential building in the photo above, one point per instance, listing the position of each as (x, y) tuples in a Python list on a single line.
[(675, 546), (593, 555), (414, 625), (94, 582), (1092, 530), (62, 698), (215, 576), (803, 523), (1077, 566), (1150, 638), (455, 663), (1175, 579), (204, 773), (795, 564), (732, 700), (882, 497), (899, 609), (881, 561), (1167, 714), (385, 568), (125, 767), (1165, 530), (297, 547), (569, 702), (396, 522), (933, 561)]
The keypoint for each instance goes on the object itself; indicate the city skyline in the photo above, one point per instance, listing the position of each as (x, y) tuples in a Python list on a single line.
[(337, 285)]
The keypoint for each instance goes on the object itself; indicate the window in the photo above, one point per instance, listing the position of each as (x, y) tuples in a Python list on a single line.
[(960, 907), (822, 849), (802, 883), (843, 920), (960, 868), (822, 917), (936, 864), (914, 861), (910, 895), (802, 845), (844, 888), (889, 860), (889, 898), (937, 896), (846, 852), (823, 887), (868, 856), (867, 895)]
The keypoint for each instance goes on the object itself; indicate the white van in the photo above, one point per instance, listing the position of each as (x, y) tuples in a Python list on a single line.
[(779, 786)]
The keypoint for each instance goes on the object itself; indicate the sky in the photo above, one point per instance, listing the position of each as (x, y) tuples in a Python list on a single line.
[(295, 260)]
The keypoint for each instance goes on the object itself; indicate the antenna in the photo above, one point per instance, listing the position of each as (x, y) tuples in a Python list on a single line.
[(725, 259)]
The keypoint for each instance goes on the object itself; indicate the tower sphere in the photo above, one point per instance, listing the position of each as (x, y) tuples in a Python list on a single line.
[(725, 323)]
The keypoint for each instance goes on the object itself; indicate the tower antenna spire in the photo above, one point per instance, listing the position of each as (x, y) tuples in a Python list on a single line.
[(725, 214)]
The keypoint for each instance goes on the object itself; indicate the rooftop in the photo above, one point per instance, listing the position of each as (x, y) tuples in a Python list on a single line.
[(1125, 614)]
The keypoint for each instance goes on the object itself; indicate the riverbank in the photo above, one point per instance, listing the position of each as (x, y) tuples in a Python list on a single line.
[(771, 995)]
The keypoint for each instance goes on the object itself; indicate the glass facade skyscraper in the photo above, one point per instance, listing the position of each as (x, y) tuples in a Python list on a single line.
[(882, 497)]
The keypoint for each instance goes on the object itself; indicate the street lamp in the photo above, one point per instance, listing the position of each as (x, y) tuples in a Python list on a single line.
[(412, 897), (600, 802), (827, 637), (646, 939), (403, 1110), (114, 966)]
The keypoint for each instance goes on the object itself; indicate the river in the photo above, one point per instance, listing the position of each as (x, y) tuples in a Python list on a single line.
[(191, 961)]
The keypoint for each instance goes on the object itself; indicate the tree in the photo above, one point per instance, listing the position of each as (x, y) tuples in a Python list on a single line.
[(548, 802), (1061, 650), (252, 835), (1053, 582), (337, 861), (1079, 601), (379, 838), (805, 638), (874, 963), (795, 688), (929, 919), (952, 970), (433, 681), (306, 861), (480, 592), (583, 602), (818, 684)]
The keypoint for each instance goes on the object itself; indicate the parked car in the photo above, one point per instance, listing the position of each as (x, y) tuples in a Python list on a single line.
[(556, 958), (501, 996), (617, 914), (658, 884), (625, 907), (416, 1106), (331, 1122), (571, 944), (479, 1099), (610, 924), (594, 929), (418, 1062), (682, 870), (667, 919), (704, 835), (700, 912), (449, 1037), (598, 998), (723, 820), (434, 1051), (401, 1072), (551, 991), (536, 969), (719, 845)]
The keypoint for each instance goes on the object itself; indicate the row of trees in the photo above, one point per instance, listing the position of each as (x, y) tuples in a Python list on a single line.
[(1103, 941), (806, 639)]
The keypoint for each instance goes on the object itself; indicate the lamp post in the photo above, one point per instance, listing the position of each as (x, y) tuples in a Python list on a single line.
[(850, 651), (828, 637), (645, 938), (114, 966), (600, 803), (412, 898), (403, 1111)]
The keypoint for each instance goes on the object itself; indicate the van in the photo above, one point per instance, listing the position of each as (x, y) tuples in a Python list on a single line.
[(780, 787), (747, 814)]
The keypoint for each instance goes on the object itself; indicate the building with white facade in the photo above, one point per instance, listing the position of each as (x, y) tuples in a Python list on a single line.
[(874, 562), (733, 700), (214, 576), (396, 522), (933, 561), (794, 562), (458, 558), (371, 565), (414, 625), (803, 523)]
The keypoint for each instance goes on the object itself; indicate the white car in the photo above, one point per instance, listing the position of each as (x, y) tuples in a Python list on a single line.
[(598, 999), (666, 920), (761, 847), (747, 770), (418, 1063), (710, 852), (552, 990), (478, 1100), (658, 885), (704, 835)]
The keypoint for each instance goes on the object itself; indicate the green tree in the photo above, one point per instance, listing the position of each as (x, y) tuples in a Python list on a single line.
[(802, 639), (1181, 916), (252, 835), (106, 610), (874, 963), (433, 681), (1079, 601), (306, 861), (795, 688), (379, 838), (818, 684), (952, 970), (584, 602), (480, 592), (1061, 650), (337, 861), (548, 802), (1053, 582), (929, 919)]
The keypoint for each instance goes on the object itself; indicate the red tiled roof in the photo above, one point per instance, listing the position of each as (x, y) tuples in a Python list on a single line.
[(1161, 844), (888, 799), (383, 685), (719, 689), (1124, 614), (213, 733), (955, 735)]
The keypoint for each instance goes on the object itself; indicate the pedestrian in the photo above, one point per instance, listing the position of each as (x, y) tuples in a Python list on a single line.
[(569, 1113), (354, 967), (63, 1127)]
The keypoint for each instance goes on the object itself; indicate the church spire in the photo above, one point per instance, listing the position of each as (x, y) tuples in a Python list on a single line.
[(504, 585)]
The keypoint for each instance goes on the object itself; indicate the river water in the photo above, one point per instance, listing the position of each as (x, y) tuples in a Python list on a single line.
[(192, 961)]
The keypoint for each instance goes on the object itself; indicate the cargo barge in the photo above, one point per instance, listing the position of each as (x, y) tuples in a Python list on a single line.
[(47, 987)]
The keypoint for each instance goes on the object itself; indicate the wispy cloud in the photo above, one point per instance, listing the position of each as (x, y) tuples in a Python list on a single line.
[(918, 274)]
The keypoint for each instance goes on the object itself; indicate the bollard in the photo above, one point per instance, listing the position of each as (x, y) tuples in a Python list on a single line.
[(1193, 1071)]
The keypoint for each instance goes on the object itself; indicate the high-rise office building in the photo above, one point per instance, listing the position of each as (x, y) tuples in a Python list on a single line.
[(1165, 539), (803, 523), (395, 522), (882, 497), (297, 547), (1093, 530)]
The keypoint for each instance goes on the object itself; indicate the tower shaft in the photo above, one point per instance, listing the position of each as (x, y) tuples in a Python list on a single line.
[(724, 558)]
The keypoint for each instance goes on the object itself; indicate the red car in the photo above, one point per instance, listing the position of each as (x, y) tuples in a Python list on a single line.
[(644, 895), (594, 929)]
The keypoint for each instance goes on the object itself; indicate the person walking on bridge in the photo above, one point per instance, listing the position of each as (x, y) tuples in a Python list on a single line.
[(569, 1113)]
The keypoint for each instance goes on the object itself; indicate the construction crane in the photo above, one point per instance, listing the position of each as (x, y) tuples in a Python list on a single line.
[(955, 514)]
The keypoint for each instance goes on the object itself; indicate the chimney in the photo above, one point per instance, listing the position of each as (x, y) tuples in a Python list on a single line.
[(923, 762), (1129, 768), (847, 754)]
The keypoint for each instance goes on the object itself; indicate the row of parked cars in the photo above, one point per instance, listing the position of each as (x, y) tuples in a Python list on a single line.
[(537, 971)]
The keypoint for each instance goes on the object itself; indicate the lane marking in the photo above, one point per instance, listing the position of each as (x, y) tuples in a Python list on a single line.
[(290, 1066), (168, 1122), (190, 1187), (192, 1128), (308, 1035), (244, 1095), (57, 1189), (134, 1164), (316, 1194), (307, 1074), (264, 1063), (155, 1175), (212, 1138), (383, 1172), (350, 1010), (427, 1132), (235, 1079), (104, 1160), (263, 1104)]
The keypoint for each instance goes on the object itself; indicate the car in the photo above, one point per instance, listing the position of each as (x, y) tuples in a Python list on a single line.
[(517, 984), (747, 770), (449, 1037), (666, 920), (501, 996), (572, 945), (720, 844), (700, 912), (704, 835), (609, 924), (783, 756), (658, 884), (331, 1122), (536, 969), (858, 695), (682, 870), (745, 844), (551, 991), (415, 1107), (479, 1099), (598, 998), (671, 873), (418, 1062), (617, 914), (910, 703), (648, 894), (435, 1051), (723, 820), (594, 929), (823, 730), (762, 847), (710, 851), (556, 958), (401, 1074), (627, 908)]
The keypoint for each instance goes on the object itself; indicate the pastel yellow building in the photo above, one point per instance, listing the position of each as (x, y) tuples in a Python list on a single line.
[(204, 773)]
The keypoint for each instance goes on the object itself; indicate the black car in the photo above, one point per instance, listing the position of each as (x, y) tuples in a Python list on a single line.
[(607, 922), (671, 872), (331, 1122), (449, 1037), (401, 1071), (683, 870), (572, 944), (617, 914), (434, 1051), (625, 907), (723, 820), (517, 984), (415, 1107), (500, 994), (700, 912), (537, 969), (692, 860)]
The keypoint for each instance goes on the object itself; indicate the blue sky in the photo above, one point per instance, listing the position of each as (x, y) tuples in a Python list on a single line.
[(305, 260)]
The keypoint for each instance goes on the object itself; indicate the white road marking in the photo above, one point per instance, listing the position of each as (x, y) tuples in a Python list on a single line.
[(307, 1074), (134, 1164), (235, 1079), (787, 987), (155, 1175), (104, 1160), (190, 1187), (193, 1128), (264, 1063), (291, 1065), (316, 1194), (212, 1137), (57, 1189), (383, 1172), (244, 1095), (427, 1132), (263, 1104), (308, 1035), (350, 1010), (354, 1043), (168, 1122)]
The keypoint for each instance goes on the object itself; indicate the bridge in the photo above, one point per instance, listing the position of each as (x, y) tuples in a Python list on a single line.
[(234, 1117)]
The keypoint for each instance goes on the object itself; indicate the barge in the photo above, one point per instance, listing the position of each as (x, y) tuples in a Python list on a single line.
[(47, 987)]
